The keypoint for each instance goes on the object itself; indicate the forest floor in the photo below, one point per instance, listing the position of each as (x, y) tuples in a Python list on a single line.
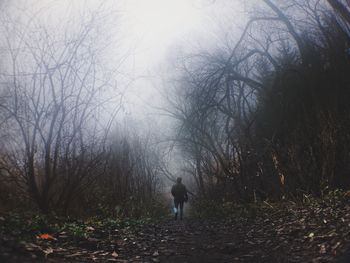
[(268, 233)]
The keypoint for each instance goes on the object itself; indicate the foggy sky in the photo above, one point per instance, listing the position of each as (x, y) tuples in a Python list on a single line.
[(187, 24), (144, 36)]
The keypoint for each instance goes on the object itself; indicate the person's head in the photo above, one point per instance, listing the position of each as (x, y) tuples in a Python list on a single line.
[(178, 180)]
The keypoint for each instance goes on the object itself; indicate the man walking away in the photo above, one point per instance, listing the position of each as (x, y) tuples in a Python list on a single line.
[(179, 193)]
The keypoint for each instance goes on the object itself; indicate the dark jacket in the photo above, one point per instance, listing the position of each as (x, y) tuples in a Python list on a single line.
[(179, 192)]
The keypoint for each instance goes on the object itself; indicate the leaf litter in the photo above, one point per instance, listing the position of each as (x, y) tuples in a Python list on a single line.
[(284, 232)]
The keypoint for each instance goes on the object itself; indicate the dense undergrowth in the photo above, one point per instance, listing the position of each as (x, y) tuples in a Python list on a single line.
[(204, 208), (28, 225)]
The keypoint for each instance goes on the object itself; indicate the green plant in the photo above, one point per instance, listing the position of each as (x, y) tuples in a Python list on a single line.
[(40, 223), (76, 229)]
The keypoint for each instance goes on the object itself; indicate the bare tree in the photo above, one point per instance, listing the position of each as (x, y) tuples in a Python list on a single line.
[(131, 181), (341, 8), (235, 118), (56, 97)]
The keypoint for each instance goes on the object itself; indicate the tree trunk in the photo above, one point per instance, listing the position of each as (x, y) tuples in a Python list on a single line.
[(341, 9)]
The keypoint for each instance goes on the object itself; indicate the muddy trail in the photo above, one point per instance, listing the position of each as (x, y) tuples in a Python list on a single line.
[(271, 234)]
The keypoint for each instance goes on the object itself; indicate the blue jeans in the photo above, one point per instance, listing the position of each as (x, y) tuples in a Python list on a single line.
[(177, 203)]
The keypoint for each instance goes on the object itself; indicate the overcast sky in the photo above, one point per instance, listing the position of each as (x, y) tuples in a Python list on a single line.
[(156, 27), (142, 34)]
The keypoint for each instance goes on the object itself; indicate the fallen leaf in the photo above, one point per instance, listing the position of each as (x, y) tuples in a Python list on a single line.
[(48, 251), (335, 246), (322, 249), (46, 237), (32, 247), (74, 255), (91, 239)]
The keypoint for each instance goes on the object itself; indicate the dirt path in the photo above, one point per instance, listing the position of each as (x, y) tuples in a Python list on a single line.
[(266, 239), (169, 241), (193, 241)]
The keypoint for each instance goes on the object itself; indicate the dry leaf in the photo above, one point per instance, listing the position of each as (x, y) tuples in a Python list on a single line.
[(46, 237), (74, 255), (335, 246), (48, 251), (322, 249)]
